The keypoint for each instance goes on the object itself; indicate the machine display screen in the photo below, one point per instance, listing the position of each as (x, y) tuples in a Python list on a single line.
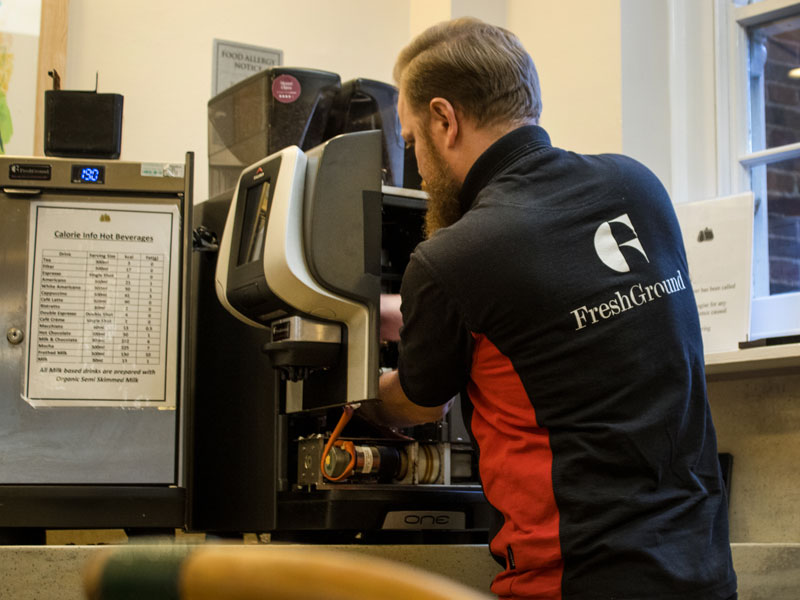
[(88, 174), (254, 223)]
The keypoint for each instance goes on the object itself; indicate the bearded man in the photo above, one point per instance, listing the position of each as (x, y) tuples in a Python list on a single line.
[(553, 291)]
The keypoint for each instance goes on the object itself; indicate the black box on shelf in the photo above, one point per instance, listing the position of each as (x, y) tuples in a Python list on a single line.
[(79, 124)]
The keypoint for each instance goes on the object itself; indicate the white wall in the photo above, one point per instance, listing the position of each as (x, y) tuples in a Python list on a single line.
[(158, 55), (645, 85), (668, 91), (495, 12), (424, 13), (577, 50), (692, 100)]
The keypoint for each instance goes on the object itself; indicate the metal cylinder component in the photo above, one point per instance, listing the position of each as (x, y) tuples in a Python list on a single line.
[(402, 467), (383, 461), (429, 464), (336, 461)]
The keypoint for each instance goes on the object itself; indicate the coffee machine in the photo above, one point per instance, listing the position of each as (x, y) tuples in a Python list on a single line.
[(288, 271)]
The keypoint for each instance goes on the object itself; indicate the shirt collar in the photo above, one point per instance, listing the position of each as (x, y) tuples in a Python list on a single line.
[(505, 150)]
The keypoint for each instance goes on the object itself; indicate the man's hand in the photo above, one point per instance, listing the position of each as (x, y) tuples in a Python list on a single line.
[(391, 318)]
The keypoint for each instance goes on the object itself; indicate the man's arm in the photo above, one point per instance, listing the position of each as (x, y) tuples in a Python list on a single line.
[(396, 410), (391, 317)]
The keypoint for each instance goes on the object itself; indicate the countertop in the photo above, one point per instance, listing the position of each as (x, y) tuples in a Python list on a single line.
[(765, 571)]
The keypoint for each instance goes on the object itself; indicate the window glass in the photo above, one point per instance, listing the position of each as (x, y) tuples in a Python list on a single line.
[(775, 83), (777, 188)]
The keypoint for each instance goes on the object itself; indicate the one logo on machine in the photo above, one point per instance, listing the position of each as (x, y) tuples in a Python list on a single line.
[(259, 174), (424, 519), (610, 250)]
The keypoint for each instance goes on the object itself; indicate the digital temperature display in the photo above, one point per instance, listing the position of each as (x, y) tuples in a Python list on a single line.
[(88, 174)]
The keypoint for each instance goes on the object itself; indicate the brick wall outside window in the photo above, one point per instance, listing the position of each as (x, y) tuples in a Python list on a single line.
[(783, 178)]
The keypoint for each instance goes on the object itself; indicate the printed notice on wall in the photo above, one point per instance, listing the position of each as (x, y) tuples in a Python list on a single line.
[(718, 235), (103, 305), (234, 62)]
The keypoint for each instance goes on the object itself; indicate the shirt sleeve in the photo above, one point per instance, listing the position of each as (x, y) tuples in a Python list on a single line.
[(435, 351)]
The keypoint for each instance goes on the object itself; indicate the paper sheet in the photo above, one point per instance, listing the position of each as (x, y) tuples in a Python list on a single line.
[(103, 304), (718, 235)]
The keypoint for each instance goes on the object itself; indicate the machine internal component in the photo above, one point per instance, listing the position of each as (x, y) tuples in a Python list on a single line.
[(381, 461)]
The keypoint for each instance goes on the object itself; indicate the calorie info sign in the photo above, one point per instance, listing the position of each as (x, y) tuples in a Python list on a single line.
[(103, 305)]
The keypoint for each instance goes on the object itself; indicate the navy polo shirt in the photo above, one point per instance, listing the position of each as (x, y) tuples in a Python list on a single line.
[(561, 303)]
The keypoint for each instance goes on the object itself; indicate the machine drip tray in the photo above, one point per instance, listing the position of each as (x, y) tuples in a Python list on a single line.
[(385, 514)]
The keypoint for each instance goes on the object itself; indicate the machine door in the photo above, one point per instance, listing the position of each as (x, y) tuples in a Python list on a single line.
[(85, 413)]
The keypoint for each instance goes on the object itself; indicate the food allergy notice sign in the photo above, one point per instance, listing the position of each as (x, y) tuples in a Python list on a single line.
[(234, 62), (103, 305)]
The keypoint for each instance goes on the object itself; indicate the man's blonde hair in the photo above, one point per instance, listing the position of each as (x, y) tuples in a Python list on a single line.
[(483, 70)]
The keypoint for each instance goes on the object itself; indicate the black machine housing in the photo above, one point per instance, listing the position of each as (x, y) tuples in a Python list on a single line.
[(258, 439)]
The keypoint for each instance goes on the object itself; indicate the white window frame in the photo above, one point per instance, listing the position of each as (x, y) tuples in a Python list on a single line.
[(777, 315)]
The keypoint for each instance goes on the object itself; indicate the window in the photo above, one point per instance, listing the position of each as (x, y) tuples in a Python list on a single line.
[(762, 110)]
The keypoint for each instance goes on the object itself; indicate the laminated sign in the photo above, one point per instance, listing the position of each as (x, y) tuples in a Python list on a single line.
[(103, 286)]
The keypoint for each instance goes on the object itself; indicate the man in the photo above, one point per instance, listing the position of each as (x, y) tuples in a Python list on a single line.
[(553, 287)]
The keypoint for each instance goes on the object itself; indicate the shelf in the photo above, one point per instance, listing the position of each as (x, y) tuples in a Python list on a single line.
[(764, 358)]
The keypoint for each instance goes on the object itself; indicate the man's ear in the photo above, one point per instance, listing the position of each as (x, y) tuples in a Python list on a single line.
[(443, 121)]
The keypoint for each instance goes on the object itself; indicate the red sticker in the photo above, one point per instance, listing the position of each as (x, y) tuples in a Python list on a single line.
[(285, 88)]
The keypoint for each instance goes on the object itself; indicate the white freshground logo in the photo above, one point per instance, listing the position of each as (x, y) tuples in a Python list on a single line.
[(608, 249)]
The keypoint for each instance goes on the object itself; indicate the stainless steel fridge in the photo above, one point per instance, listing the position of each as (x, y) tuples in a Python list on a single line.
[(93, 280)]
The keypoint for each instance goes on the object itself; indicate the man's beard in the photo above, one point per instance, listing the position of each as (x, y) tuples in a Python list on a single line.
[(443, 189)]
